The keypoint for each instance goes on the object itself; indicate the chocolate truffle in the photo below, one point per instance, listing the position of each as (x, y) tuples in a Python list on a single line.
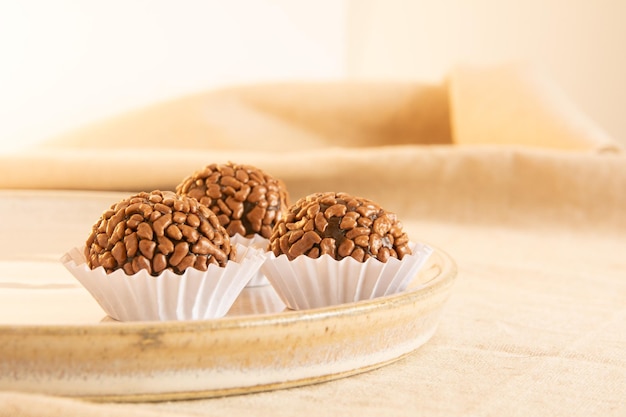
[(246, 200), (340, 225), (157, 231)]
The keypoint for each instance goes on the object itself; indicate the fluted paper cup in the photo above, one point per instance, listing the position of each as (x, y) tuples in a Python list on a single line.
[(256, 242), (194, 295), (305, 283)]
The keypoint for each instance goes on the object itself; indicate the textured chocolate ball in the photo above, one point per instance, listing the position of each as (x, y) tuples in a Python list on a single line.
[(340, 225), (157, 231), (246, 200)]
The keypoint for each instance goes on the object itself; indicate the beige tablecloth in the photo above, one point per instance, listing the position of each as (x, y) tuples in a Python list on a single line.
[(492, 165)]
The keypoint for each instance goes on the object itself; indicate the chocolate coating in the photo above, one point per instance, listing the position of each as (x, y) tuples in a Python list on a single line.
[(157, 231), (245, 199), (340, 225)]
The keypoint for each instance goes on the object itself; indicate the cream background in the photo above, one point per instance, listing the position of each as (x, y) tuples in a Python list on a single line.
[(66, 63)]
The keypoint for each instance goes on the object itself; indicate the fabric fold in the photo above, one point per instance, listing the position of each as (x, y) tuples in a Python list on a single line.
[(517, 105), (292, 129), (488, 184)]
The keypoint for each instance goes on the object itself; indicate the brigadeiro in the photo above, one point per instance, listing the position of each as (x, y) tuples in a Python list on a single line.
[(334, 248), (157, 231), (247, 201), (162, 256)]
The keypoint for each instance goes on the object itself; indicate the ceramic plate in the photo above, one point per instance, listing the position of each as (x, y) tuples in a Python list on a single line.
[(55, 339)]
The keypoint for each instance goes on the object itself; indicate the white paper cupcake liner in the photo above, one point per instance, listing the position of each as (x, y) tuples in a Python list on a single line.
[(194, 295), (257, 242), (306, 283)]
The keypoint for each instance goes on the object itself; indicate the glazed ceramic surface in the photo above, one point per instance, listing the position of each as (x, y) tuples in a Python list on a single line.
[(54, 338)]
